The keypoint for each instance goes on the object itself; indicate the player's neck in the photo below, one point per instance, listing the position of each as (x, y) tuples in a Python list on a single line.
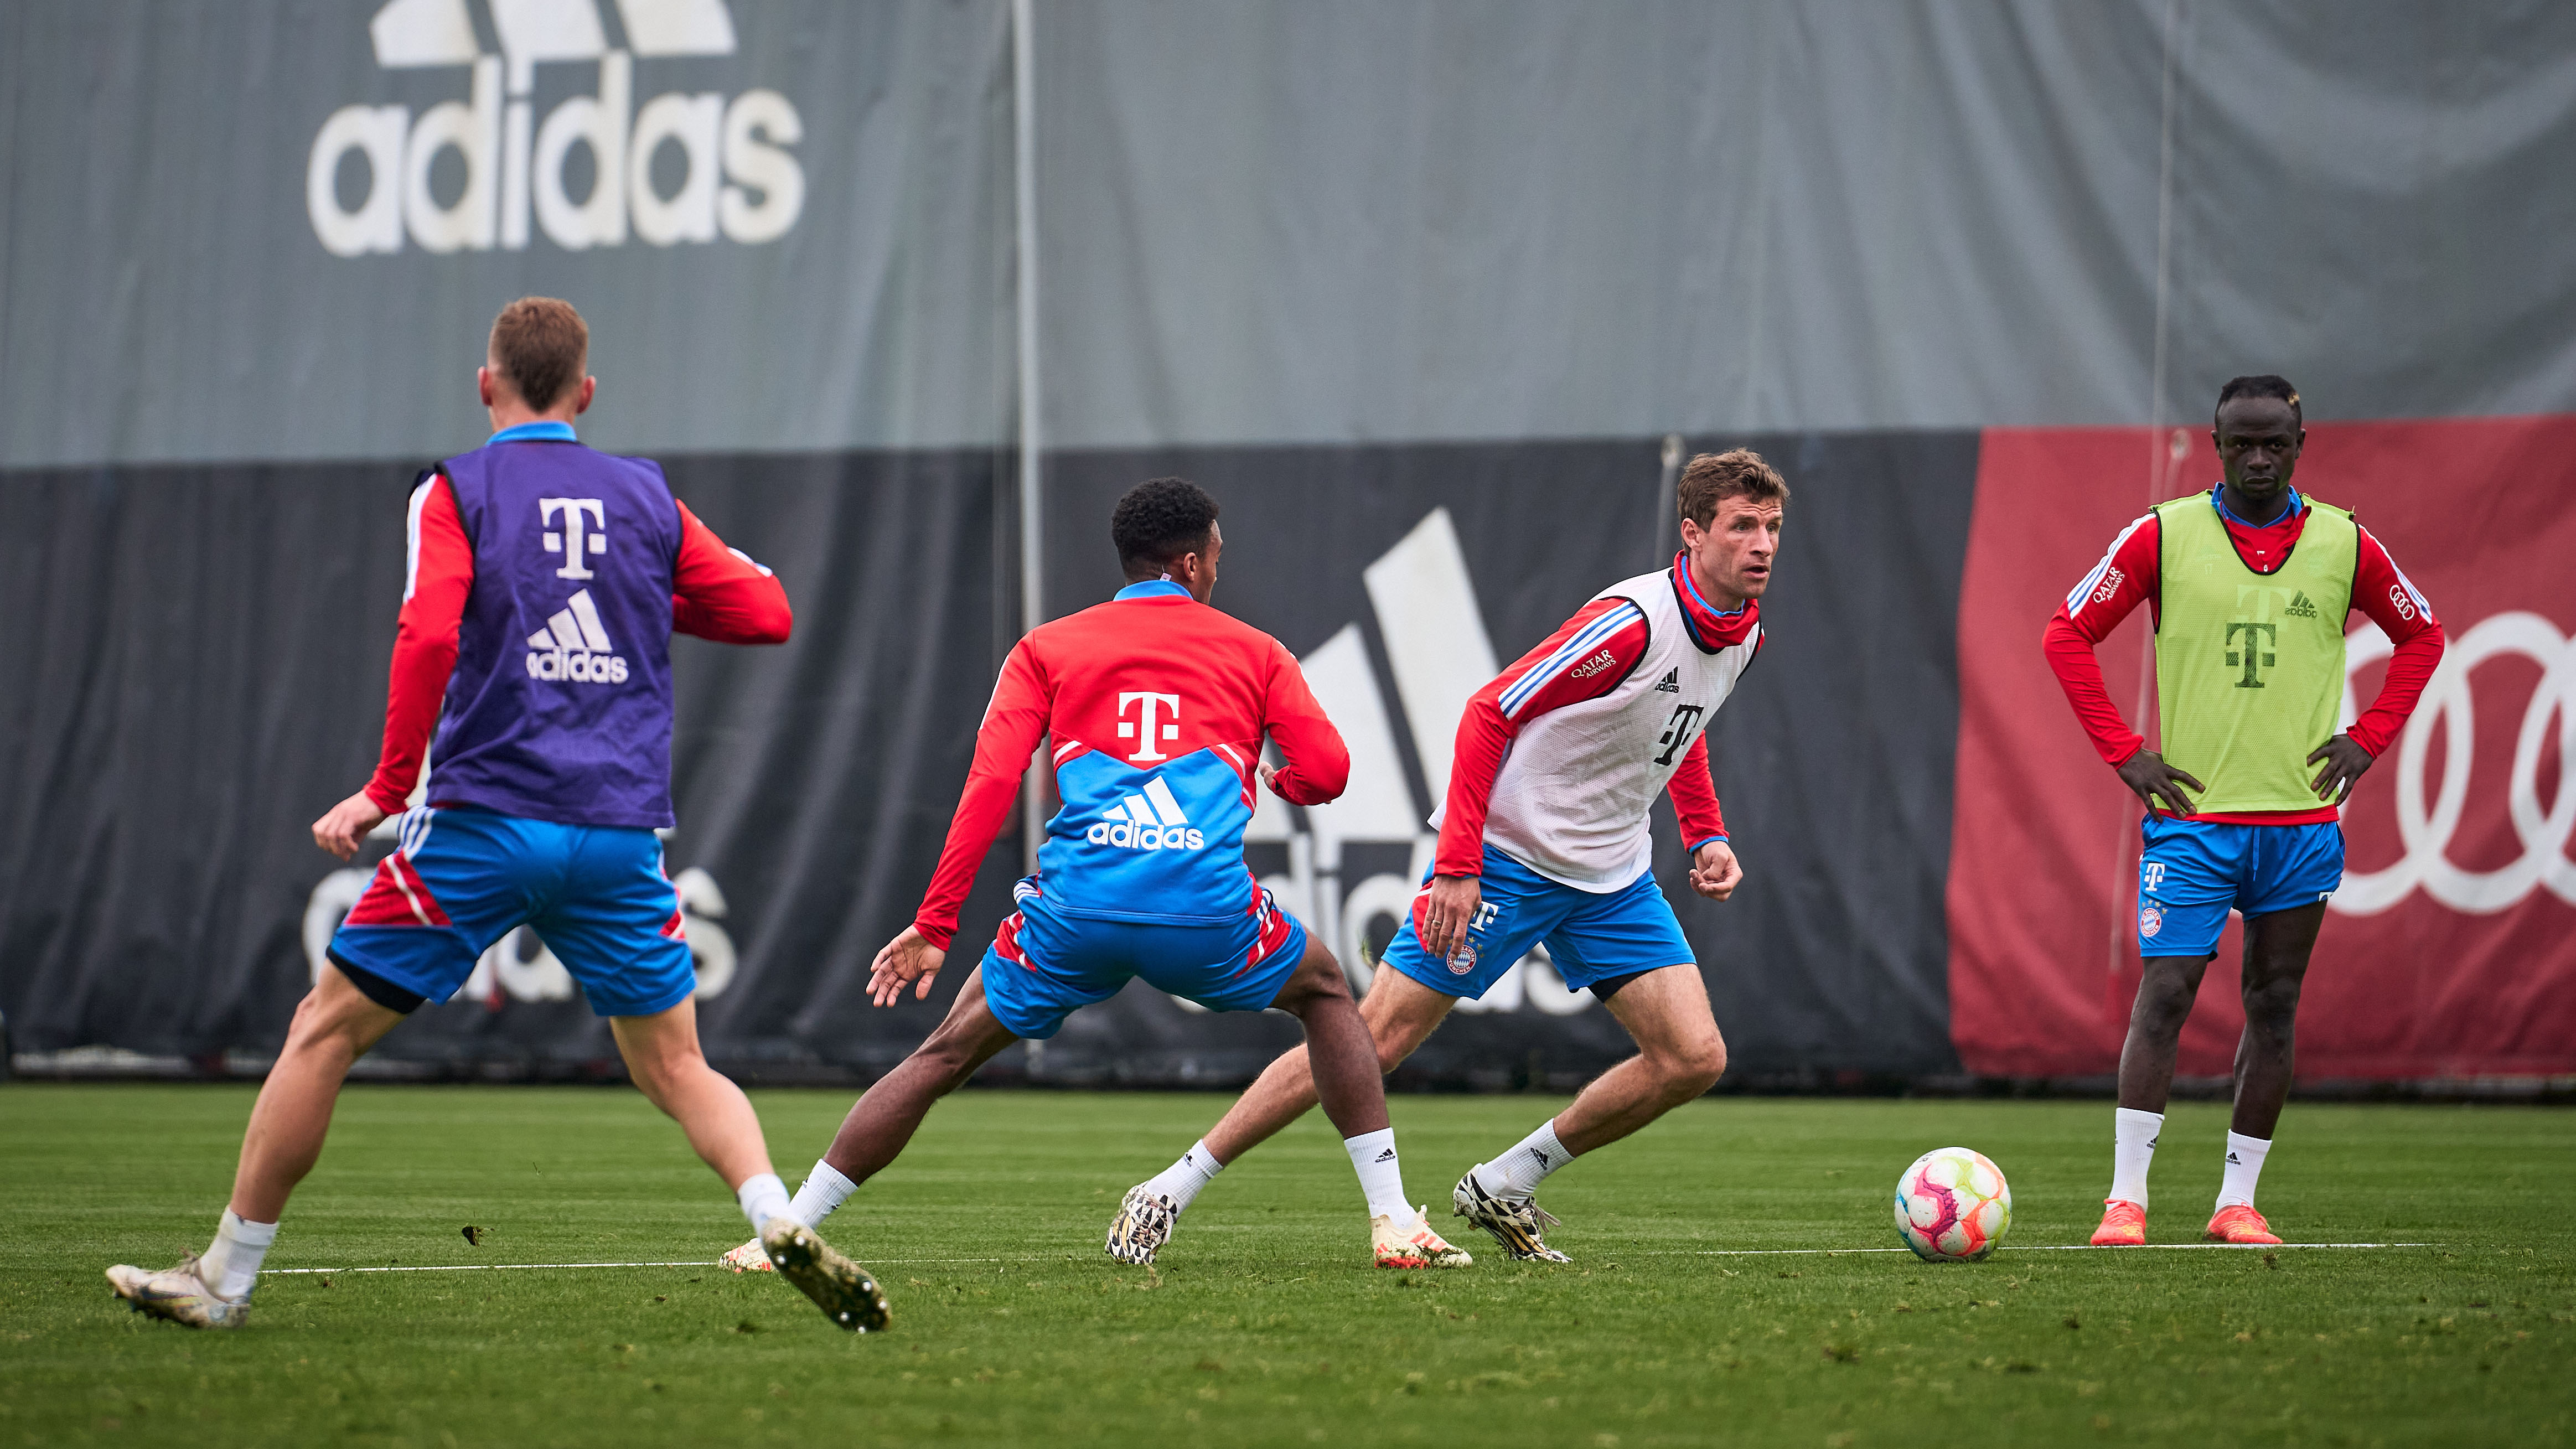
[(2247, 510), (1716, 597), (508, 413)]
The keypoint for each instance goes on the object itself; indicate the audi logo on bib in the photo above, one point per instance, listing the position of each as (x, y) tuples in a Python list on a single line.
[(2427, 830)]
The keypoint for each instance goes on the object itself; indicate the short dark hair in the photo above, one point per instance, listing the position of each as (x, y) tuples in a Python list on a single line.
[(1712, 476), (540, 345), (2260, 384), (1159, 520)]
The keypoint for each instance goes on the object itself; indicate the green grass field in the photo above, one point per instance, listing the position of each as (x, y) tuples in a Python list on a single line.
[(1263, 1324)]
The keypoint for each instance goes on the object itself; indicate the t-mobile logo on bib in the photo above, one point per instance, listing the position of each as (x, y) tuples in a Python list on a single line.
[(685, 166), (574, 543)]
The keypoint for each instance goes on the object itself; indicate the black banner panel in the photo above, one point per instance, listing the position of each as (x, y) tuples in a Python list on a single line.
[(181, 724)]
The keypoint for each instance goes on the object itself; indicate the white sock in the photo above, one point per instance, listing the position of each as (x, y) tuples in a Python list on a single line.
[(2133, 1147), (2244, 1165), (1517, 1173), (1182, 1180), (762, 1197), (1381, 1176), (824, 1191), (231, 1263)]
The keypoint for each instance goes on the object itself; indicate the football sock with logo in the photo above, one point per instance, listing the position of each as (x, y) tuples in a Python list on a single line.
[(1381, 1176), (1182, 1180), (2133, 1146), (230, 1265), (762, 1197), (1517, 1173), (2244, 1165), (824, 1191)]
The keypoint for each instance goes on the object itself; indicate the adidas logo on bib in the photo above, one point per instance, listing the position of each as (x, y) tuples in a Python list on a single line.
[(574, 646), (1671, 683), (2301, 607), (1151, 820)]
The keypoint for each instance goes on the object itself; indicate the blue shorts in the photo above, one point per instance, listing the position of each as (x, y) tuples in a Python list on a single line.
[(1045, 964), (1594, 938), (2193, 872), (463, 878)]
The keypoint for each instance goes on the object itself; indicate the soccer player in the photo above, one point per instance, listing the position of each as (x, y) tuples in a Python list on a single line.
[(2250, 584), (1544, 836), (1156, 706), (544, 583)]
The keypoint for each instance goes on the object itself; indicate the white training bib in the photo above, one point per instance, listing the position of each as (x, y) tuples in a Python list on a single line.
[(1573, 797)]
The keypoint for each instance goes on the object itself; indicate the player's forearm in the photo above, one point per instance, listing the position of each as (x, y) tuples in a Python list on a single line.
[(2079, 673), (735, 611), (1695, 799), (1476, 759), (986, 803), (1318, 768), (2410, 669), (416, 688)]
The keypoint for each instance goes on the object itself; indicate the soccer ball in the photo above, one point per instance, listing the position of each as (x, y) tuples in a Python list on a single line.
[(1952, 1206)]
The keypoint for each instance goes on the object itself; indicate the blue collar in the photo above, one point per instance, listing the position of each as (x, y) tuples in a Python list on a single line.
[(2218, 500), (548, 431), (1153, 589), (1682, 571)]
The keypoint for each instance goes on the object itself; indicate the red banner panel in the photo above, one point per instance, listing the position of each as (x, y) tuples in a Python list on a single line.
[(2450, 952)]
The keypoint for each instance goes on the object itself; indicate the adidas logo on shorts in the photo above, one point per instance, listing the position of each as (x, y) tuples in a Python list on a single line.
[(1151, 820), (574, 646)]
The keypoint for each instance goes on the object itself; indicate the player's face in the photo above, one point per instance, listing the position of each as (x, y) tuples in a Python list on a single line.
[(2258, 442), (1734, 554)]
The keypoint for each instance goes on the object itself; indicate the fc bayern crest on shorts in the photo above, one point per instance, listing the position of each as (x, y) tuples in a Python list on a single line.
[(2151, 919), (1462, 960)]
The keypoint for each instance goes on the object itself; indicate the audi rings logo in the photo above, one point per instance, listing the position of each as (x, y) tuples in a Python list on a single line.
[(2427, 832)]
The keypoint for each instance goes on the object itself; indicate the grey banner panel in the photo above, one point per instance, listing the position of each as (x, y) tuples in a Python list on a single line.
[(279, 230), (1343, 221), (1834, 760)]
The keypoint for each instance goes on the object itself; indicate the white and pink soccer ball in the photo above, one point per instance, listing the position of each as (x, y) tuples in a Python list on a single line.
[(1952, 1206)]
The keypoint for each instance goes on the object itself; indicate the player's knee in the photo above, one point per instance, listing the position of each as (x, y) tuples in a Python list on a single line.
[(1694, 1066), (2273, 1006)]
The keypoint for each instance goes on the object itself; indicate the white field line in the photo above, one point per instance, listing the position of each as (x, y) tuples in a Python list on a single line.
[(1054, 1257)]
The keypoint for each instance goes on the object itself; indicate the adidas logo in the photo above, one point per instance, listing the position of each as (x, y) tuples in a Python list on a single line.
[(738, 179), (1671, 683), (2301, 607), (1539, 1155), (574, 646), (1387, 1156), (1150, 820), (2235, 1161)]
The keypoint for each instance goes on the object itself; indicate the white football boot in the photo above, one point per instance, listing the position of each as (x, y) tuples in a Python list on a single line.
[(1144, 1224), (1411, 1244), (751, 1257), (841, 1288), (178, 1294), (1514, 1222)]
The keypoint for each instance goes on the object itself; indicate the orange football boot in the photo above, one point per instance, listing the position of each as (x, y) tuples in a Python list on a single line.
[(2239, 1224), (2124, 1225)]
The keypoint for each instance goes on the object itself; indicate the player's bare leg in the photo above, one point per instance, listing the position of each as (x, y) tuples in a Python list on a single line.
[(888, 1113), (333, 1027), (2277, 946), (1348, 1050), (2167, 987), (1400, 1014), (1680, 1055), (663, 1056)]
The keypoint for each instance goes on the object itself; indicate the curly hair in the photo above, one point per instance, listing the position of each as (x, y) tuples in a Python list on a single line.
[(1712, 476), (1159, 520), (2261, 384)]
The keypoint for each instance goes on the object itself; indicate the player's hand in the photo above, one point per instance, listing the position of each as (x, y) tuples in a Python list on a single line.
[(347, 823), (906, 959), (2157, 783), (1452, 903), (1269, 777), (2345, 759), (1715, 872)]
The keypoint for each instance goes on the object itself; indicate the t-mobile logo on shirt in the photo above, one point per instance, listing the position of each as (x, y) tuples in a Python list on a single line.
[(1145, 729), (573, 542)]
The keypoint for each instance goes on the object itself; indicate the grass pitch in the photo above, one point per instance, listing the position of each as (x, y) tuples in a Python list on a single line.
[(1263, 1324)]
